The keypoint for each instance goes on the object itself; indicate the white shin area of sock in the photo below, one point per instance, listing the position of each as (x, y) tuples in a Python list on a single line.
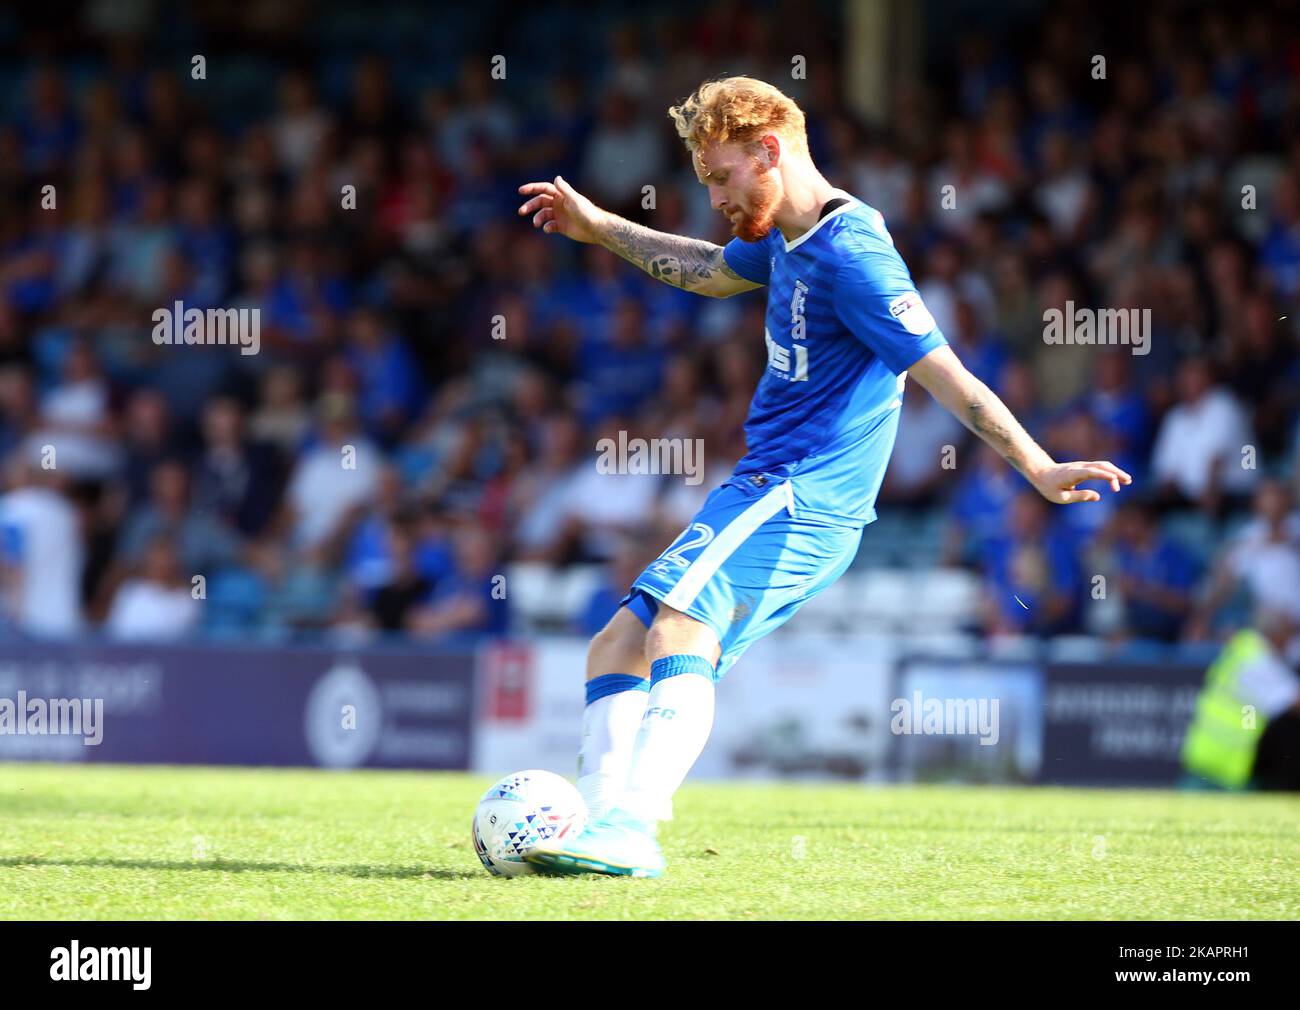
[(676, 726), (609, 731)]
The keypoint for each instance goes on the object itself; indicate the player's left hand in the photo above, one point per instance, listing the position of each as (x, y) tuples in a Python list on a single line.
[(1057, 482)]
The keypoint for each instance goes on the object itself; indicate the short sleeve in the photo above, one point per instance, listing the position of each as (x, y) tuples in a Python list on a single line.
[(749, 259), (875, 298)]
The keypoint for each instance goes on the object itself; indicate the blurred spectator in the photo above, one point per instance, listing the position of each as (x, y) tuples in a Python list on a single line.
[(388, 384), (157, 604), (981, 506), (406, 588), (960, 171), (621, 370), (202, 542), (925, 452), (599, 507), (543, 490), (1263, 559), (1116, 402), (980, 350), (18, 409), (368, 561), (631, 558), (1263, 371), (75, 417), (299, 595), (1034, 579), (234, 479), (148, 438), (625, 150), (1065, 193), (884, 180), (1280, 252), (1155, 575), (281, 419), (41, 554), (1075, 434), (472, 598), (332, 480), (301, 126), (1199, 458), (478, 113)]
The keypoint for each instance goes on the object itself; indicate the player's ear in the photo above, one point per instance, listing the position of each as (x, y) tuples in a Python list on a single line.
[(770, 154)]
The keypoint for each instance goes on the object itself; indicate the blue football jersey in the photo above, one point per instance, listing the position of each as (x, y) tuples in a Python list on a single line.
[(844, 322)]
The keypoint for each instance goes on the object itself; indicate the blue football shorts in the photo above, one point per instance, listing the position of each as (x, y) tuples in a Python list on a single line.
[(745, 564)]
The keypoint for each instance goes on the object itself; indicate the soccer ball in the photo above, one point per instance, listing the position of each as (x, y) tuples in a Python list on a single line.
[(518, 812)]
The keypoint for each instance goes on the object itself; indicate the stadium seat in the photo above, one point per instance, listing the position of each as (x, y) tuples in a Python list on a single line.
[(534, 599), (1197, 653), (1077, 649), (947, 597), (940, 645), (1016, 649), (1143, 650), (881, 599), (831, 611), (926, 539), (574, 587)]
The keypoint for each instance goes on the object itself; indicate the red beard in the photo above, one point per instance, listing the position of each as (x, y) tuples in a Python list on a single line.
[(755, 226)]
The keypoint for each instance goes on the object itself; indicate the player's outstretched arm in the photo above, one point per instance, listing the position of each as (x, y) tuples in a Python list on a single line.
[(687, 263), (980, 410)]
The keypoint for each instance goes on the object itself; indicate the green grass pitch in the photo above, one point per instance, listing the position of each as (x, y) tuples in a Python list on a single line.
[(194, 843)]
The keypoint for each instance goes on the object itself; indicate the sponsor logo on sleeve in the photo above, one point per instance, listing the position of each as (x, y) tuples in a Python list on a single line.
[(909, 310)]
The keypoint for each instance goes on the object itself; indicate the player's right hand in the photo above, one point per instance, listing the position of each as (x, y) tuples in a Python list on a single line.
[(1057, 483), (558, 208)]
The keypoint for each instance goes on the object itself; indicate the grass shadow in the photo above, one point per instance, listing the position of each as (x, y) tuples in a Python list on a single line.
[(248, 866)]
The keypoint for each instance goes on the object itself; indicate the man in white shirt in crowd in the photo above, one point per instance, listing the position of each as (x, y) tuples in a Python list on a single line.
[(1263, 558), (41, 553), (1201, 456), (333, 481), (157, 603)]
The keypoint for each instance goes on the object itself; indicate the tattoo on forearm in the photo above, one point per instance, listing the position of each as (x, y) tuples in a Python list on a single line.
[(685, 263)]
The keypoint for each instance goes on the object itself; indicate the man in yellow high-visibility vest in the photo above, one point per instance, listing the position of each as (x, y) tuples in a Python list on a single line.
[(1246, 729)]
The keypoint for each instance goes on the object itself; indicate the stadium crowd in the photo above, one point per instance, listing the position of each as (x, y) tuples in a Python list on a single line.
[(466, 366)]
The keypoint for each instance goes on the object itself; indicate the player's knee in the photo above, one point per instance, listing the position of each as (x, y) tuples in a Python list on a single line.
[(674, 634), (619, 647)]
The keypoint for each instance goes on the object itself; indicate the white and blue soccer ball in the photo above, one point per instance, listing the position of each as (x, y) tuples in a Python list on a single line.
[(521, 810)]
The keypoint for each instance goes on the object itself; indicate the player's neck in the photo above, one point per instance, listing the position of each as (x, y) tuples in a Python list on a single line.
[(805, 194)]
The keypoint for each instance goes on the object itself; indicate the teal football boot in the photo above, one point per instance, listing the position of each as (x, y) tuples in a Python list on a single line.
[(617, 844)]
